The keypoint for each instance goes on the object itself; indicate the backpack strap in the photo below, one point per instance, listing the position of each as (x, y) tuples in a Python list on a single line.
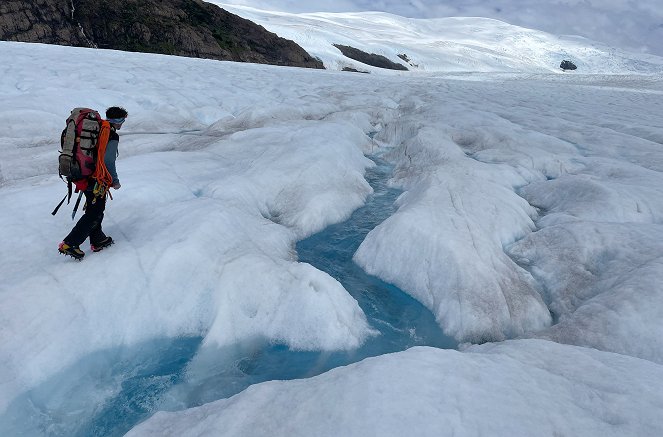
[(78, 202), (66, 197)]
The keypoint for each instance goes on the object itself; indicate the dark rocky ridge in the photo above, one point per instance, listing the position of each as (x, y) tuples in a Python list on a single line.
[(190, 28), (372, 59)]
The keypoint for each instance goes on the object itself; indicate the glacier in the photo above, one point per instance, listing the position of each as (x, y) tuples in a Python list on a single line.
[(529, 220)]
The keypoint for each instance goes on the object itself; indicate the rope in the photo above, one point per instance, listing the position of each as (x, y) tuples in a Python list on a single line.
[(101, 173)]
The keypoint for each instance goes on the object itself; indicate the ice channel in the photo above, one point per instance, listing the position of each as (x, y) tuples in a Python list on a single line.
[(110, 392)]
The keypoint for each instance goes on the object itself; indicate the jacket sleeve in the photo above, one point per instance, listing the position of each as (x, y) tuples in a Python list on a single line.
[(109, 159)]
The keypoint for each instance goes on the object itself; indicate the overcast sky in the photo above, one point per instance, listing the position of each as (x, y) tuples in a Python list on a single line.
[(629, 24)]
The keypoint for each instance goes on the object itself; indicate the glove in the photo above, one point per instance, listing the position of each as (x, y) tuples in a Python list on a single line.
[(116, 185)]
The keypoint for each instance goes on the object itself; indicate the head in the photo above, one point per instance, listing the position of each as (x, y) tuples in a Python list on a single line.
[(116, 116)]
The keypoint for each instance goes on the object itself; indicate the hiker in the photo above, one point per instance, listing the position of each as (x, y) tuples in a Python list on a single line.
[(89, 225)]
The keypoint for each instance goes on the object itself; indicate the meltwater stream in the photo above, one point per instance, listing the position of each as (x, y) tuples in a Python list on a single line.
[(402, 321), (177, 374)]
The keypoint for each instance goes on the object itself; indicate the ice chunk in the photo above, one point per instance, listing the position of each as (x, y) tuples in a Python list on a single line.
[(603, 283), (444, 244), (604, 190)]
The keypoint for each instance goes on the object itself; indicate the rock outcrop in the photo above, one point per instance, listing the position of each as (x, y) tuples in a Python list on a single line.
[(44, 21), (372, 59), (567, 65), (175, 27)]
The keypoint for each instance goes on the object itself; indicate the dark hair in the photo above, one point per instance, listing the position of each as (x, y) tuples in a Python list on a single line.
[(116, 112)]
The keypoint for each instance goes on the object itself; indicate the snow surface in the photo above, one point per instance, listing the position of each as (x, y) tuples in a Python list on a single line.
[(532, 207), (518, 388), (619, 23), (443, 44), (204, 231)]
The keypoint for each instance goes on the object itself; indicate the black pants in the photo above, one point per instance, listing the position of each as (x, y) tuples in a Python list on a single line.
[(90, 224)]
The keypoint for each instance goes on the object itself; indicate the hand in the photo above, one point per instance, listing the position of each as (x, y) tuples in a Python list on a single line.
[(116, 186)]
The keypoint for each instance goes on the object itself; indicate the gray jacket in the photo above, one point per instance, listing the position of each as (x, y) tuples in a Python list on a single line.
[(111, 155)]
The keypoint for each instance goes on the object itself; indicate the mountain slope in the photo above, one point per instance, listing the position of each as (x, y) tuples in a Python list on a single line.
[(455, 44), (190, 28)]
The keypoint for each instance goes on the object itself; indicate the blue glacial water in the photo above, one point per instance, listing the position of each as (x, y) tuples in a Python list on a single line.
[(104, 394), (402, 321), (109, 392)]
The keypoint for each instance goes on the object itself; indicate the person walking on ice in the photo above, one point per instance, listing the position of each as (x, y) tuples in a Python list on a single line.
[(96, 186)]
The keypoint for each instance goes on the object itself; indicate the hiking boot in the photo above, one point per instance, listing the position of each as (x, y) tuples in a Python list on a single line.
[(72, 251), (96, 247)]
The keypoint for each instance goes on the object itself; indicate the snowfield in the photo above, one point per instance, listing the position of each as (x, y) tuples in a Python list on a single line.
[(531, 217), (458, 44)]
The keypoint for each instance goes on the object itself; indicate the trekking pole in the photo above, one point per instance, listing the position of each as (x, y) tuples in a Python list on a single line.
[(78, 201)]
